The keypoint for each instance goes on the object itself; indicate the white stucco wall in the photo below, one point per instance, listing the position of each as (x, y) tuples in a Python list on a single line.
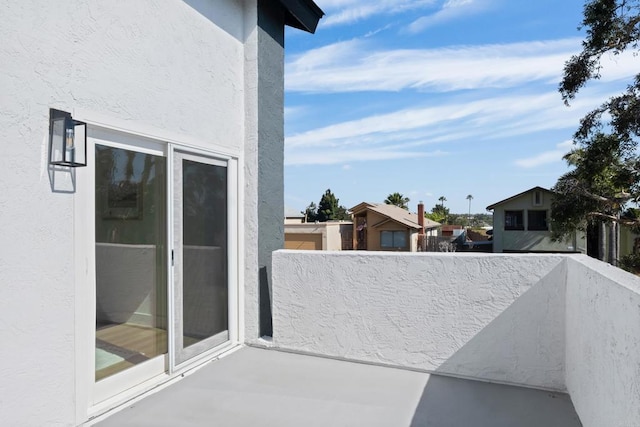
[(491, 317), (603, 343), (181, 69), (563, 322)]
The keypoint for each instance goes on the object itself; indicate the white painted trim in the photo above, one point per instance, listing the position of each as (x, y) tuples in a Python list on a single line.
[(171, 318), (232, 247), (84, 292), (112, 386), (233, 191), (209, 159), (206, 356), (240, 166), (93, 118), (152, 386), (118, 139), (139, 389)]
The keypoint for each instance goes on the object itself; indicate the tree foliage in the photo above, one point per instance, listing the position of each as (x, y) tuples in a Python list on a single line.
[(438, 214), (397, 199), (605, 174), (311, 213), (328, 209)]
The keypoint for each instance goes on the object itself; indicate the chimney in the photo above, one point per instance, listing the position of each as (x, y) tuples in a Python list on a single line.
[(421, 216)]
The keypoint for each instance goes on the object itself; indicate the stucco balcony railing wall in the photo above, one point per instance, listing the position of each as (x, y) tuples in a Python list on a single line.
[(556, 322)]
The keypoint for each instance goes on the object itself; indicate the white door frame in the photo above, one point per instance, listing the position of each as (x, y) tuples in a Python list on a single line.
[(183, 358), (89, 401)]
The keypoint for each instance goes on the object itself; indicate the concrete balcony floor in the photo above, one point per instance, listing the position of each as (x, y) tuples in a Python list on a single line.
[(257, 387)]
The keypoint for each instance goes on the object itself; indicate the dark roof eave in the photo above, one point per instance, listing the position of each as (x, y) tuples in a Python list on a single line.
[(302, 14), (492, 207)]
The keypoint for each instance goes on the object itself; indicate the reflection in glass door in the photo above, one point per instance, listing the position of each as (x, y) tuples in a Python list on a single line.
[(200, 254), (131, 261)]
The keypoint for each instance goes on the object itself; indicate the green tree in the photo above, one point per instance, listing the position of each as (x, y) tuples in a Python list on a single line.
[(329, 208), (310, 213), (397, 199), (438, 214), (605, 175)]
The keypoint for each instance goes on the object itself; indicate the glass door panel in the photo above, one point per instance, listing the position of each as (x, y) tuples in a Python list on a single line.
[(131, 261), (200, 254)]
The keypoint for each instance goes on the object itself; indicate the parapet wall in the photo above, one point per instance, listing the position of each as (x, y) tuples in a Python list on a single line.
[(470, 315), (558, 322), (603, 343)]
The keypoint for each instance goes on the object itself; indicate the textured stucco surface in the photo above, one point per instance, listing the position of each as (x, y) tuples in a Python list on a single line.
[(492, 317), (565, 322), (264, 155), (181, 68), (270, 148), (603, 343)]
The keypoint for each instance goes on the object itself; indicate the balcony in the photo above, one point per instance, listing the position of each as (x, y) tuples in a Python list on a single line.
[(415, 339)]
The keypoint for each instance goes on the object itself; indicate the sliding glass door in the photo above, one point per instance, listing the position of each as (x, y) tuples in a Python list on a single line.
[(201, 254), (165, 258), (131, 258)]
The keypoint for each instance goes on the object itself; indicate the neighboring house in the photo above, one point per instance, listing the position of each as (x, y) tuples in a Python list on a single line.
[(521, 224), (629, 241), (292, 216), (382, 227), (125, 274), (448, 230), (319, 236)]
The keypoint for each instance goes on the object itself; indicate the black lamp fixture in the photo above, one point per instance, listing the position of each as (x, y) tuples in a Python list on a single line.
[(67, 140)]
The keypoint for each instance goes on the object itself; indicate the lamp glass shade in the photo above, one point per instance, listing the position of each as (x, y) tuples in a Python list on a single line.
[(67, 140)]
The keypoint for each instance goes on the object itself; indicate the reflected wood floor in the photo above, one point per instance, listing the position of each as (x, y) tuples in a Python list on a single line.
[(134, 343)]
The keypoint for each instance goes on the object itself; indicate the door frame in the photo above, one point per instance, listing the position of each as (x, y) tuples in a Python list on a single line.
[(83, 226), (196, 355)]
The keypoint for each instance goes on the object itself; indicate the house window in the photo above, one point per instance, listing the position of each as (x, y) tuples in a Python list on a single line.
[(537, 198), (537, 220), (513, 220), (393, 239)]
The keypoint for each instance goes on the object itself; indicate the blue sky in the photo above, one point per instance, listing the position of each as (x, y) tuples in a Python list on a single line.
[(434, 98)]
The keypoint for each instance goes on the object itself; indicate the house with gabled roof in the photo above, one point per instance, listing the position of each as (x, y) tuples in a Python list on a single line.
[(382, 227), (521, 223)]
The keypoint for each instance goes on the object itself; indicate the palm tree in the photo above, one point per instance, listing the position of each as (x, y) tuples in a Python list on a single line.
[(469, 198), (442, 199), (397, 199)]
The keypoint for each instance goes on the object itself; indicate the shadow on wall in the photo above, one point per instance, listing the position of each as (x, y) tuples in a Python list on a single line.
[(221, 15), (62, 179), (457, 402), (524, 344)]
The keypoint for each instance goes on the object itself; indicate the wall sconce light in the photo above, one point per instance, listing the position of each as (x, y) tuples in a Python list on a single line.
[(67, 140)]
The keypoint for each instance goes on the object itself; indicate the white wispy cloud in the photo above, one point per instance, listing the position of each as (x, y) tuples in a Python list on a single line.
[(320, 156), (501, 114), (546, 157), (450, 9), (358, 65), (416, 132), (342, 12)]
